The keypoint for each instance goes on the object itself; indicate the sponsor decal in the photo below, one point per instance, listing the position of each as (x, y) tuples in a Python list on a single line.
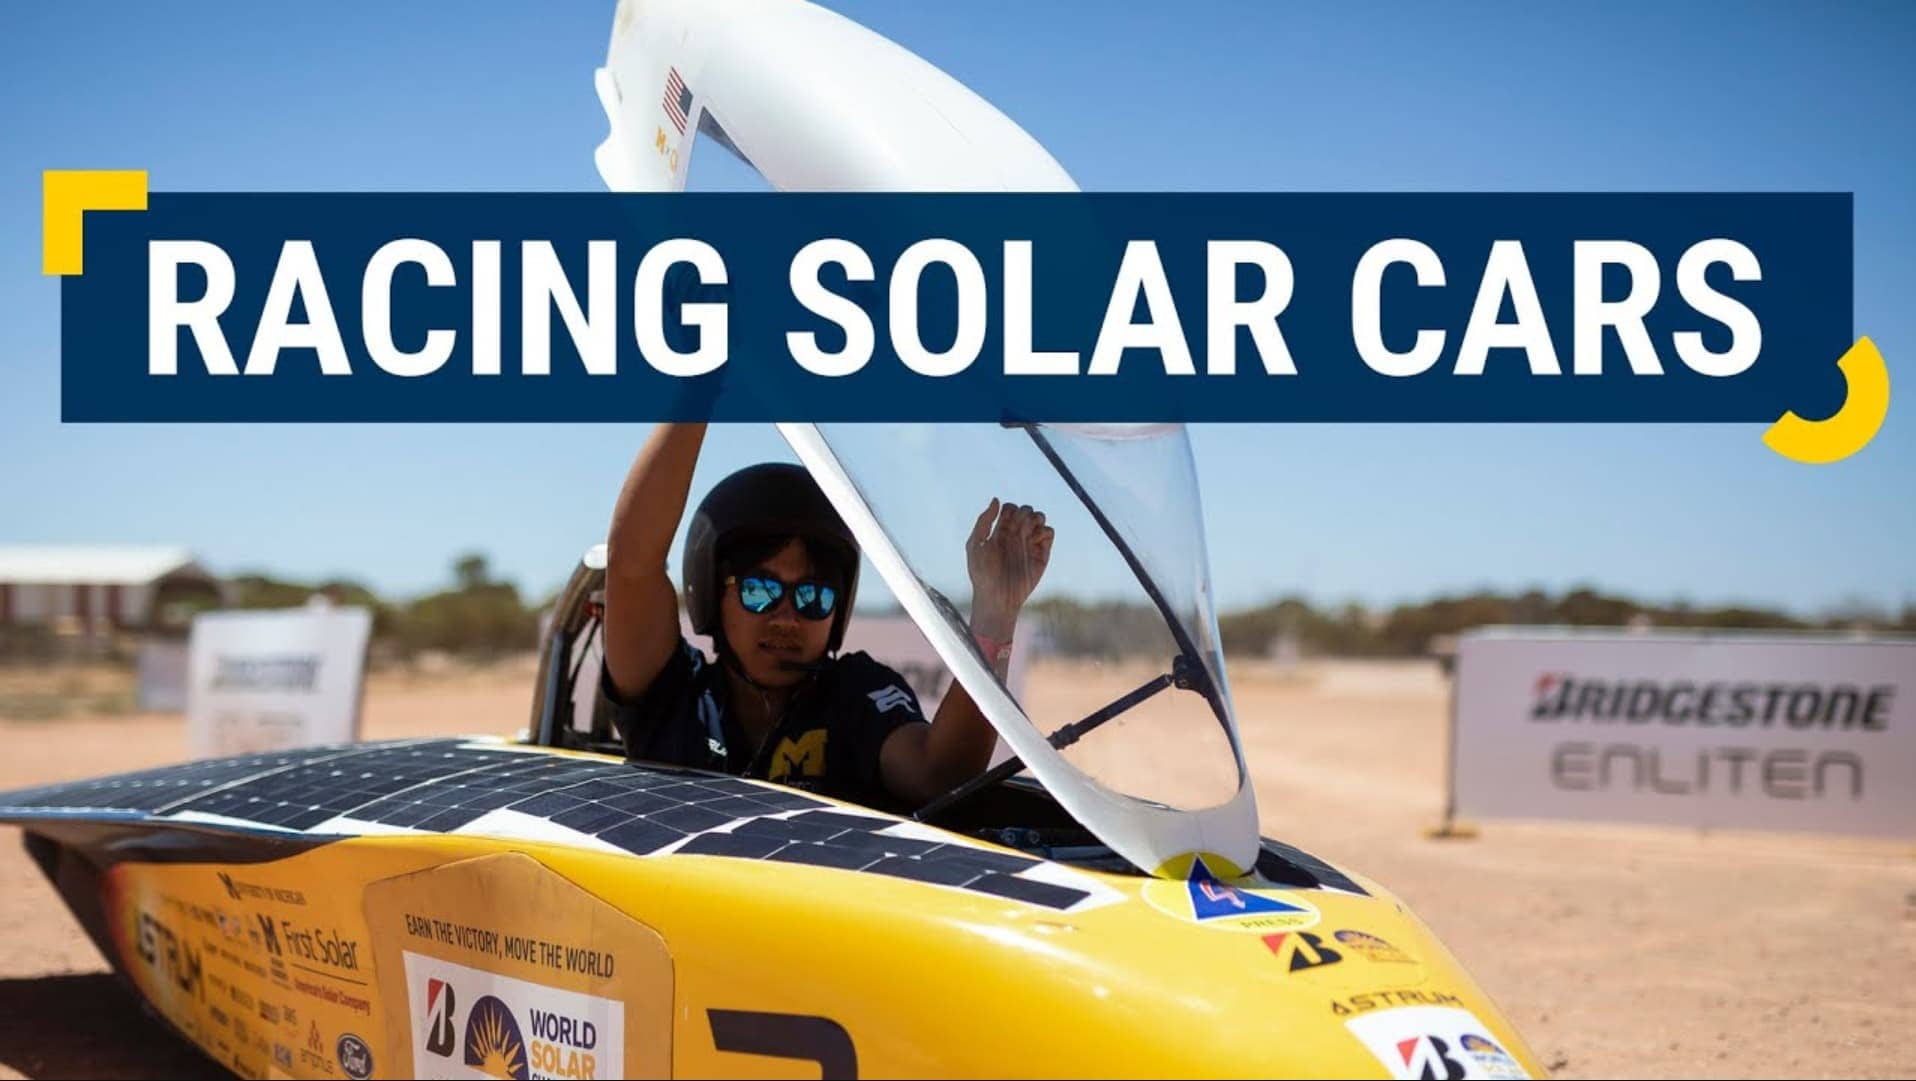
[(1205, 899), (1372, 948), (494, 1045), (1406, 996), (1434, 1043), (1429, 1056), (1301, 950), (327, 993), (219, 1016), (269, 1013), (1494, 1060), (354, 1057), (232, 928), (283, 1057), (1782, 773), (313, 1056), (245, 891), (1561, 696), (267, 933), (320, 946), (172, 959), (471, 1023), (441, 1002)]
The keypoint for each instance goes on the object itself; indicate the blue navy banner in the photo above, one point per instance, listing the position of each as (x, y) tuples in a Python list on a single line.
[(1245, 307)]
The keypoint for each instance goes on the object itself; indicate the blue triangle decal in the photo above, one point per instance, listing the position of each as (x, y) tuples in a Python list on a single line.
[(1211, 899)]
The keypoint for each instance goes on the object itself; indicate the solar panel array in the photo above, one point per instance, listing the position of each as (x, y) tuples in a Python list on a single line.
[(856, 843), (444, 786), (155, 790), (1287, 865)]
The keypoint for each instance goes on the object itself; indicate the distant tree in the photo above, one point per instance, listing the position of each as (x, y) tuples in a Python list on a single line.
[(1588, 608), (480, 617), (1408, 629), (1099, 629), (261, 591), (471, 571)]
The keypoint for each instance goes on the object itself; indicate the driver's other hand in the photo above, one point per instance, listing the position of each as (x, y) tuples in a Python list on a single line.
[(1006, 555)]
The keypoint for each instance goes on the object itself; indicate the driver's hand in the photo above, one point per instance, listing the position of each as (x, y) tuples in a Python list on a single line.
[(1006, 554)]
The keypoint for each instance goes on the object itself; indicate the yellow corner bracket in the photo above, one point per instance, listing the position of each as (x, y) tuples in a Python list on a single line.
[(1851, 427), (66, 195)]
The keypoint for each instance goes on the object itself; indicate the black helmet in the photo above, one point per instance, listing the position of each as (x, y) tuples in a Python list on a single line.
[(773, 498)]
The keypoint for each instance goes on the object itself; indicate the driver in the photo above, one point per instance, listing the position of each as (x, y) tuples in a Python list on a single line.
[(769, 572)]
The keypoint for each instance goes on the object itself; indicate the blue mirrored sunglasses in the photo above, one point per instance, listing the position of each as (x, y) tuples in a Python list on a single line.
[(760, 593)]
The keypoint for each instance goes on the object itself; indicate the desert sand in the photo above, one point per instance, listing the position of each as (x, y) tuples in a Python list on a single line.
[(1617, 951)]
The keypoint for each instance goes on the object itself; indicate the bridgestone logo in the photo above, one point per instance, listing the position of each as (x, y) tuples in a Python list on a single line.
[(1840, 706)]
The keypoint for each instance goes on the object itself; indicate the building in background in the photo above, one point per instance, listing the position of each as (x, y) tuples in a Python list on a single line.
[(95, 592)]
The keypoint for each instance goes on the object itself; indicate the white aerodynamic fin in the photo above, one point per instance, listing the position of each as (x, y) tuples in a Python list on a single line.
[(810, 99), (648, 105)]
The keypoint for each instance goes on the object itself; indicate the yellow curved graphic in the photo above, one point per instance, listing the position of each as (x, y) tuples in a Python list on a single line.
[(1851, 427), (66, 195)]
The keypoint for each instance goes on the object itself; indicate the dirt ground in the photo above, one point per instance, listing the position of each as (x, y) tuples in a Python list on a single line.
[(1617, 951)]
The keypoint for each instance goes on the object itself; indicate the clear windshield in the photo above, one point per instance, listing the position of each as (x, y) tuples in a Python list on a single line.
[(1124, 673)]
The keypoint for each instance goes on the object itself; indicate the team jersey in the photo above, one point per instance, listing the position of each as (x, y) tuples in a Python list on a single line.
[(827, 742)]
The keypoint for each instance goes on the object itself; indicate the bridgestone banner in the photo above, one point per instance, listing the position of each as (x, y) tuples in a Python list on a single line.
[(1725, 731), (270, 680)]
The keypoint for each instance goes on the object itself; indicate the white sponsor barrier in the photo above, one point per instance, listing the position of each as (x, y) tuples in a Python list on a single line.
[(1733, 730), (269, 680)]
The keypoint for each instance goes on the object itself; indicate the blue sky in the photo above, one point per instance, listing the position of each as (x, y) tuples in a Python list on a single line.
[(498, 97)]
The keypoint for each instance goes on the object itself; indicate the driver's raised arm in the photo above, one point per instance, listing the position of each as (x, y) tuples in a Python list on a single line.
[(641, 608)]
